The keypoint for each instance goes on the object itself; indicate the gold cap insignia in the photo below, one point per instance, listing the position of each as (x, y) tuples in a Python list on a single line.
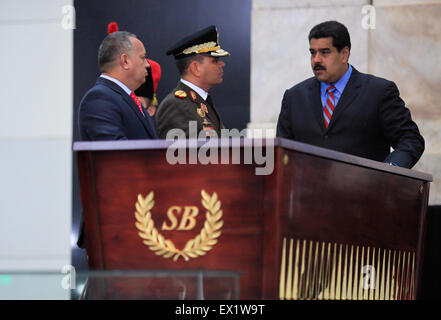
[(180, 94), (202, 48)]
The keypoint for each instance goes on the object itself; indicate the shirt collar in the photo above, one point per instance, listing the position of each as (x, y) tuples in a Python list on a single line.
[(199, 91), (122, 85), (340, 84)]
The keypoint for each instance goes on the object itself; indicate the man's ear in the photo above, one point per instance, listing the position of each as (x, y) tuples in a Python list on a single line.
[(345, 54), (193, 68), (124, 61)]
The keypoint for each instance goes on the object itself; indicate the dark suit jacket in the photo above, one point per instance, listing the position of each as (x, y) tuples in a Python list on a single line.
[(107, 112), (369, 118), (175, 112)]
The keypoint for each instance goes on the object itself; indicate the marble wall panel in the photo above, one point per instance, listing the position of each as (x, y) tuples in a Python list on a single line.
[(37, 81), (35, 136), (31, 11), (378, 3), (405, 47), (284, 4)]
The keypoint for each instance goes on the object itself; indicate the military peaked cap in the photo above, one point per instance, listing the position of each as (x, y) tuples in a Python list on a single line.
[(205, 41)]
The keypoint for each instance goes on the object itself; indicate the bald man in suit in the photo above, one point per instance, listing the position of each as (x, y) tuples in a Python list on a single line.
[(111, 110)]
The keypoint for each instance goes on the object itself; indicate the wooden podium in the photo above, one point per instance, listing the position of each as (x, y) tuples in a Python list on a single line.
[(322, 225)]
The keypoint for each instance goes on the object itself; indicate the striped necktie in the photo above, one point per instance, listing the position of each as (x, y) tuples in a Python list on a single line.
[(138, 103), (328, 109)]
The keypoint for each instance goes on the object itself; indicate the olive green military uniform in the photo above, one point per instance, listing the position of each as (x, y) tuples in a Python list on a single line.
[(183, 105)]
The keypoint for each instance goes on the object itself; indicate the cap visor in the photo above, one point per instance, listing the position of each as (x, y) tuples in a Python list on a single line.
[(219, 53)]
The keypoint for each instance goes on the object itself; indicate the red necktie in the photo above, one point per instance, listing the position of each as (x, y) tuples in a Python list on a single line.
[(330, 105), (138, 103)]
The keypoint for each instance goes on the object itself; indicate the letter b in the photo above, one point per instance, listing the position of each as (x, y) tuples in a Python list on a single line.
[(188, 220)]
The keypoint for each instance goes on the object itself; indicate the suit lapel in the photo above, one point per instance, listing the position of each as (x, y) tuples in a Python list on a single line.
[(316, 103), (351, 91), (147, 123)]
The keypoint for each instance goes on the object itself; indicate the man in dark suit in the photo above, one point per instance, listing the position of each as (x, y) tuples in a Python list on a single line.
[(198, 60), (346, 110), (111, 110)]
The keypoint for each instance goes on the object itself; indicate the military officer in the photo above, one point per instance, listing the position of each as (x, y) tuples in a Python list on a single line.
[(198, 59)]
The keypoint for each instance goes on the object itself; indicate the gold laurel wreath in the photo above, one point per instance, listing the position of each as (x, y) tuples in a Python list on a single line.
[(195, 247)]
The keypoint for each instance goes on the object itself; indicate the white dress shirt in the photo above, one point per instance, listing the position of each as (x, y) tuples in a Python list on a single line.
[(199, 91), (122, 85)]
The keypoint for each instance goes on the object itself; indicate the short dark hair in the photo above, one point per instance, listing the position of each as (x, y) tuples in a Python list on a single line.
[(183, 63), (334, 29), (112, 47)]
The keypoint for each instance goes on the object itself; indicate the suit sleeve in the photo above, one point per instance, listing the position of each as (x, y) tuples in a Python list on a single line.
[(284, 129), (100, 118), (400, 130)]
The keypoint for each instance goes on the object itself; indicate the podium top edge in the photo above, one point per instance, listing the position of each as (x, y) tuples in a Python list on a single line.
[(122, 145)]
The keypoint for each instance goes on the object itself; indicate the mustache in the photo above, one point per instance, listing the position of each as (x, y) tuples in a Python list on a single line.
[(318, 66)]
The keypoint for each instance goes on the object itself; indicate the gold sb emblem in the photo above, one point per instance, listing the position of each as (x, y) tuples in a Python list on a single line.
[(195, 247), (188, 220)]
